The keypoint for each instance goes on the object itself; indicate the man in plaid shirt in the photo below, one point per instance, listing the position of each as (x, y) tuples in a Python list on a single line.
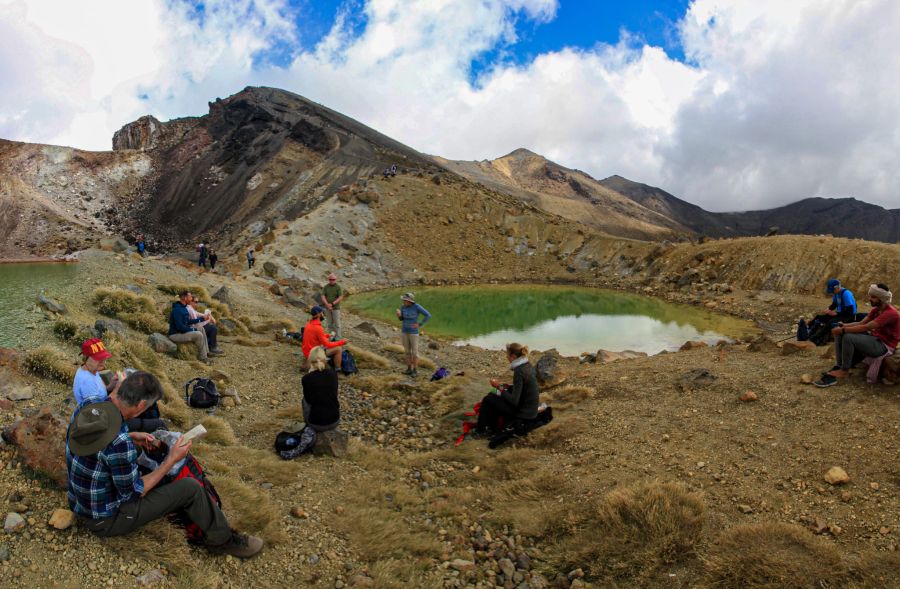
[(108, 492)]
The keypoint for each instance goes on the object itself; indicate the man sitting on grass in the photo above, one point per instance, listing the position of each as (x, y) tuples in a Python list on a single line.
[(314, 335), (182, 328), (873, 337), (106, 489)]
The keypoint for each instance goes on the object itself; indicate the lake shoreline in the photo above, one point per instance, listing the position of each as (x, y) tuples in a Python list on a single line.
[(44, 260)]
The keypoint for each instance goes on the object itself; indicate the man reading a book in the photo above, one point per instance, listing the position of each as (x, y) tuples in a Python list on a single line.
[(107, 491)]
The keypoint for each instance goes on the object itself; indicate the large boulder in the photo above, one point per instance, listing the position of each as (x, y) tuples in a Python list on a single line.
[(368, 327), (40, 442), (294, 298), (331, 443), (110, 326), (890, 368), (547, 369), (223, 295), (162, 344), (605, 357), (271, 269), (792, 347), (51, 305)]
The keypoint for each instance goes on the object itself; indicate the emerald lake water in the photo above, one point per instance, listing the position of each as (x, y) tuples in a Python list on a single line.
[(571, 319), (20, 285)]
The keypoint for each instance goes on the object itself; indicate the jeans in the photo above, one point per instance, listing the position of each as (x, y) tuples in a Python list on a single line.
[(211, 333), (862, 343), (186, 494), (198, 338)]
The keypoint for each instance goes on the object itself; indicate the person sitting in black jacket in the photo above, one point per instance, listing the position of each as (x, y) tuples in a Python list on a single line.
[(519, 401), (321, 408)]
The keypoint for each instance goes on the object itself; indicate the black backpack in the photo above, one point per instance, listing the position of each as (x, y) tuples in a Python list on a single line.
[(201, 393)]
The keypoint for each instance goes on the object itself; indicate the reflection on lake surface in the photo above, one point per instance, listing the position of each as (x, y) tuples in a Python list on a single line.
[(571, 319), (20, 285)]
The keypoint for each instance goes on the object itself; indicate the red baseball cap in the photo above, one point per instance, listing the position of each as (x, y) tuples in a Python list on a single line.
[(94, 349)]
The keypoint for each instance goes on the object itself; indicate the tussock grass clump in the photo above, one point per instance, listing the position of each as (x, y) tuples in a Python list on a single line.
[(113, 302), (197, 290), (172, 405), (557, 433), (273, 325), (367, 359), (568, 396), (630, 532), (250, 464), (447, 399), (68, 331), (771, 555), (250, 342), (162, 542), (249, 509), (393, 348), (218, 431), (145, 322), (49, 362), (139, 355), (874, 570), (426, 363), (186, 352)]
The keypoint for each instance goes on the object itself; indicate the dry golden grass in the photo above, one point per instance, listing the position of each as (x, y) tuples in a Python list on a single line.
[(162, 542), (49, 362), (145, 322), (567, 396), (138, 354), (774, 554), (393, 348), (292, 412), (874, 570), (249, 509), (367, 359), (113, 302), (186, 352), (630, 532), (172, 406), (274, 325), (195, 289), (218, 431), (251, 465), (427, 364), (557, 432), (66, 330), (447, 398)]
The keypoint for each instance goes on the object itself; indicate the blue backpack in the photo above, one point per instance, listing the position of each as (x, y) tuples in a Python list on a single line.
[(348, 363)]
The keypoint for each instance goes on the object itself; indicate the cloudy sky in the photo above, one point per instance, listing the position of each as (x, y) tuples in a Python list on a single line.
[(731, 104)]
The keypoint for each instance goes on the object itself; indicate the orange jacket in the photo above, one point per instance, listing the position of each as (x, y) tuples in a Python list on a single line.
[(314, 335)]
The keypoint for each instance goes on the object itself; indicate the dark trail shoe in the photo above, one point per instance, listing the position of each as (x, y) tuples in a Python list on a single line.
[(826, 381), (239, 546)]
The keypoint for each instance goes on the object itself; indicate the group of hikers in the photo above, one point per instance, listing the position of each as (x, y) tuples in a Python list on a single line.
[(206, 254), (858, 337)]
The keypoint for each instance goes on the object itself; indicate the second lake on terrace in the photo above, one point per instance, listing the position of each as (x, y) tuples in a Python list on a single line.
[(571, 319)]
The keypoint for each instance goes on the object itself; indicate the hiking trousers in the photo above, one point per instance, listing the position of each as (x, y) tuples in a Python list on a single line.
[(334, 321), (493, 407), (198, 338), (186, 494), (862, 344)]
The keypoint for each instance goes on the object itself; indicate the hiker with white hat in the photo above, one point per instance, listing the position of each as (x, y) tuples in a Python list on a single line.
[(106, 489), (876, 336), (409, 314), (332, 295)]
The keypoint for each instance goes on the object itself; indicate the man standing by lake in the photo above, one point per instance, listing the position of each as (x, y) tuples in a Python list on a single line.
[(332, 295), (409, 334)]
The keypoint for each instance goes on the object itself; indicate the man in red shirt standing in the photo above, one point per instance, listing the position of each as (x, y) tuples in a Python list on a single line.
[(874, 336), (314, 335)]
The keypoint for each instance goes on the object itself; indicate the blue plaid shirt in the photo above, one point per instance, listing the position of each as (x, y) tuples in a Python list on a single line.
[(101, 482)]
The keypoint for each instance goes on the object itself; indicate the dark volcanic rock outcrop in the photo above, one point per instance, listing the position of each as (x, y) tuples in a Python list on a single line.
[(262, 154)]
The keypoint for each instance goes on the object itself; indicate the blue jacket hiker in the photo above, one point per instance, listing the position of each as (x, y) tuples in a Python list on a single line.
[(409, 314)]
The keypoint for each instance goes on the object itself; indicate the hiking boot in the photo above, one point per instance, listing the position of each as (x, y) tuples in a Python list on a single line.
[(239, 546), (408, 371), (414, 373), (216, 352), (826, 381)]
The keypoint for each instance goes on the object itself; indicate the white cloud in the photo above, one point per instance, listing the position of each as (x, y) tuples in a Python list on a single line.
[(781, 100)]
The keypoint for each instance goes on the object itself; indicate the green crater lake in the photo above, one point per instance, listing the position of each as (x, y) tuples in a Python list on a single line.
[(20, 285), (571, 319)]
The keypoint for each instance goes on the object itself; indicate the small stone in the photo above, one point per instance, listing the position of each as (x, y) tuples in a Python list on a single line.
[(299, 513), (476, 470), (62, 519), (806, 378), (151, 577), (266, 486), (506, 567), (338, 584), (874, 486), (748, 397), (461, 565), (313, 559), (4, 553), (14, 523), (837, 476), (846, 496), (745, 508), (339, 510), (884, 531)]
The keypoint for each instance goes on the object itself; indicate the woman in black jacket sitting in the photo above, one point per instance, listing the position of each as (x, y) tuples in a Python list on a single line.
[(321, 409), (519, 401)]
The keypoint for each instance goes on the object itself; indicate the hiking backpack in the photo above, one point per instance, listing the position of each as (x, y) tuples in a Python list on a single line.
[(201, 393), (348, 363)]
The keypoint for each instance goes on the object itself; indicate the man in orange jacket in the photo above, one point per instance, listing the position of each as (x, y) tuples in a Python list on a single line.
[(314, 335)]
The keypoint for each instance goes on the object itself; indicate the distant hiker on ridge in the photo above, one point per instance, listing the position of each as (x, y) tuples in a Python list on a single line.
[(409, 314), (201, 249), (876, 337), (250, 259), (213, 258), (141, 246), (332, 295)]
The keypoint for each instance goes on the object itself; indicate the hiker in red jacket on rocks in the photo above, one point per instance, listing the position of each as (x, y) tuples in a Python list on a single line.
[(314, 335)]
